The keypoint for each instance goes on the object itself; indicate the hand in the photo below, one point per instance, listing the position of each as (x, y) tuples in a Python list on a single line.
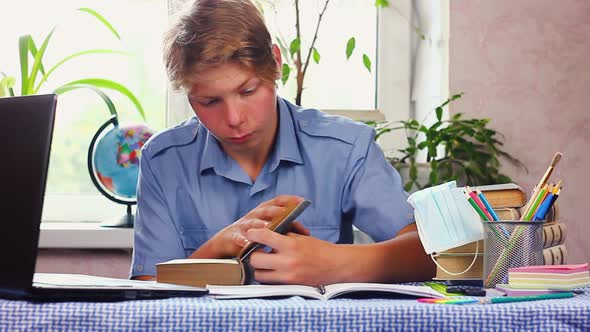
[(228, 242), (295, 259)]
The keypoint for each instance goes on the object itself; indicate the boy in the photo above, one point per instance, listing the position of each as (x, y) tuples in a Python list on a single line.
[(248, 153)]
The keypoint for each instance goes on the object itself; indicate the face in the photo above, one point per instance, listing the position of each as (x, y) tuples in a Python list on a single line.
[(237, 107)]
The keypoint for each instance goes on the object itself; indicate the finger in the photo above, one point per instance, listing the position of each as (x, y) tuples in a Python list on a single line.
[(267, 237), (266, 212), (239, 239), (267, 261), (283, 200), (297, 227), (246, 224)]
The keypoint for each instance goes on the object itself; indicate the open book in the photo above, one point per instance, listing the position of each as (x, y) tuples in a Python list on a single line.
[(320, 293)]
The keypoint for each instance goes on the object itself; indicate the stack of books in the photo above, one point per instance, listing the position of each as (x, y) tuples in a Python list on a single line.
[(507, 201), (543, 279)]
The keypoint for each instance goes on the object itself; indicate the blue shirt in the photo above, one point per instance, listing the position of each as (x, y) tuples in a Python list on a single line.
[(189, 188)]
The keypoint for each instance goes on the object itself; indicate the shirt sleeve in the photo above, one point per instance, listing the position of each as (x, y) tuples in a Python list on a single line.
[(156, 238), (374, 198)]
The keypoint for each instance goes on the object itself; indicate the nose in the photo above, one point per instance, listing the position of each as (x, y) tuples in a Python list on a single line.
[(234, 114)]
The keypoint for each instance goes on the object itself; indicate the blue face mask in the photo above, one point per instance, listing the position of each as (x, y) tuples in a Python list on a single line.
[(444, 218)]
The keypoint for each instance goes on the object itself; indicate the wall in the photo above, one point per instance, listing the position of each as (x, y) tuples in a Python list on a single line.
[(526, 65), (113, 263)]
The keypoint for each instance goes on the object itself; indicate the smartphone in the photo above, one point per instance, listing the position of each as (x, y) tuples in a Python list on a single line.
[(279, 224)]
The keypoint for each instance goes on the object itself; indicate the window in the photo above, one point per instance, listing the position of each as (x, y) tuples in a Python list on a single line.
[(387, 36), (70, 193)]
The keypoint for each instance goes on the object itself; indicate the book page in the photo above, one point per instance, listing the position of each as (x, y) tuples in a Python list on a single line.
[(255, 291), (343, 288), (61, 280)]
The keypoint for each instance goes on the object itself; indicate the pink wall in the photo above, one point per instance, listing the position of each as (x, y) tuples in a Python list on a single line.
[(113, 263), (526, 65)]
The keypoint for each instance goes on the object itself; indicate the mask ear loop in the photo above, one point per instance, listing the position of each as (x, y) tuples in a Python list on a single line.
[(458, 273)]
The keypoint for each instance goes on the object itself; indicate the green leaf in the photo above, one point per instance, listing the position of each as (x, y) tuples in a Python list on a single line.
[(108, 84), (381, 3), (286, 72), (37, 62), (294, 46), (69, 87), (408, 185), (439, 112), (6, 84), (23, 51), (70, 57), (350, 45), (413, 172), (367, 62), (316, 55), (101, 19)]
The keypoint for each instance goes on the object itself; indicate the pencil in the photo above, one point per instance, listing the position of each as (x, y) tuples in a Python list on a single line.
[(487, 204), (476, 208), (507, 299), (536, 203), (479, 203), (542, 182)]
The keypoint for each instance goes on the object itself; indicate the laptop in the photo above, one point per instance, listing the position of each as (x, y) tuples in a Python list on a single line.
[(26, 127)]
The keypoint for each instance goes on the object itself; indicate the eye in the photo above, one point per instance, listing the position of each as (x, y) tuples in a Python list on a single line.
[(248, 91), (208, 102)]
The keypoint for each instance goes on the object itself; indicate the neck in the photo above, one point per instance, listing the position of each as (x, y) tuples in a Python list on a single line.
[(253, 162)]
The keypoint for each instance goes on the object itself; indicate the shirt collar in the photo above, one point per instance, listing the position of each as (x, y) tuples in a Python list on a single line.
[(286, 145), (213, 155)]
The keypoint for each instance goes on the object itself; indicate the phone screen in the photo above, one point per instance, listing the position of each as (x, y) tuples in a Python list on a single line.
[(279, 224)]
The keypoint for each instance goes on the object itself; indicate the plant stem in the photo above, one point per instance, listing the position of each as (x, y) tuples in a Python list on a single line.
[(298, 64)]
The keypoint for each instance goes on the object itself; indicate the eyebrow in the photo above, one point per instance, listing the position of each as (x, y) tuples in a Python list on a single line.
[(239, 87)]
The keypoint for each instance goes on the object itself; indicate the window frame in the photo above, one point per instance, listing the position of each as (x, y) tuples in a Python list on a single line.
[(392, 104)]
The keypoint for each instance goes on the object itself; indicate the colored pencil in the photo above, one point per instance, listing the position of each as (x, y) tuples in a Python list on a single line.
[(542, 182)]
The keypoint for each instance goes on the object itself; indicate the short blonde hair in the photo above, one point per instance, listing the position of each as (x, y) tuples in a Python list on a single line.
[(213, 32)]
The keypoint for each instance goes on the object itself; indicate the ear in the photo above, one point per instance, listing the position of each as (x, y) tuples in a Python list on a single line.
[(276, 51)]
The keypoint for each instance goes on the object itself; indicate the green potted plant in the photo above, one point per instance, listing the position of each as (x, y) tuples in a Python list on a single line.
[(297, 60), (33, 74), (472, 151)]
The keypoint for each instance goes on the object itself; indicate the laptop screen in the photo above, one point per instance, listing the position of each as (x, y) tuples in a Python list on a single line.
[(26, 126)]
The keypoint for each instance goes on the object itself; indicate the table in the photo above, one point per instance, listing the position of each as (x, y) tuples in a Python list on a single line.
[(294, 314)]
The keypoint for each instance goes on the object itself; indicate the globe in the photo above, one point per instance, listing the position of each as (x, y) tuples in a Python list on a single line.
[(113, 161)]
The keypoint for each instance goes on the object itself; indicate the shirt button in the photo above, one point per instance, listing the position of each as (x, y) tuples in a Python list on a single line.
[(139, 268)]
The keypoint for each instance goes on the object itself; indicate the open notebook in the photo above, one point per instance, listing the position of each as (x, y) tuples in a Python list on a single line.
[(26, 127), (320, 293)]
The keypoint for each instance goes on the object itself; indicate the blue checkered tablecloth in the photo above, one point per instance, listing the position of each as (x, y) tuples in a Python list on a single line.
[(295, 314)]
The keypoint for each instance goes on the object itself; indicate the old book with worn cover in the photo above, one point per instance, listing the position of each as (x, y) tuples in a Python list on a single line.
[(508, 213), (458, 262), (201, 272), (556, 255), (553, 234), (504, 195)]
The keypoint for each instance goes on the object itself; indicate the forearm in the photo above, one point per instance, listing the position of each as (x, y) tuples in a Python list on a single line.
[(397, 260)]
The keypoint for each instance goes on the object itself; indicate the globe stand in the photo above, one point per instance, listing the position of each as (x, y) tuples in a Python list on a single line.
[(127, 220)]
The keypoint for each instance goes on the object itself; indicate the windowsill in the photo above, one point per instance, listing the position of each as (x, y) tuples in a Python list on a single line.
[(78, 235), (73, 235)]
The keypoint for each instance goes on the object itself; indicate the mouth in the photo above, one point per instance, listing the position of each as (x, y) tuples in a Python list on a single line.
[(240, 139)]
